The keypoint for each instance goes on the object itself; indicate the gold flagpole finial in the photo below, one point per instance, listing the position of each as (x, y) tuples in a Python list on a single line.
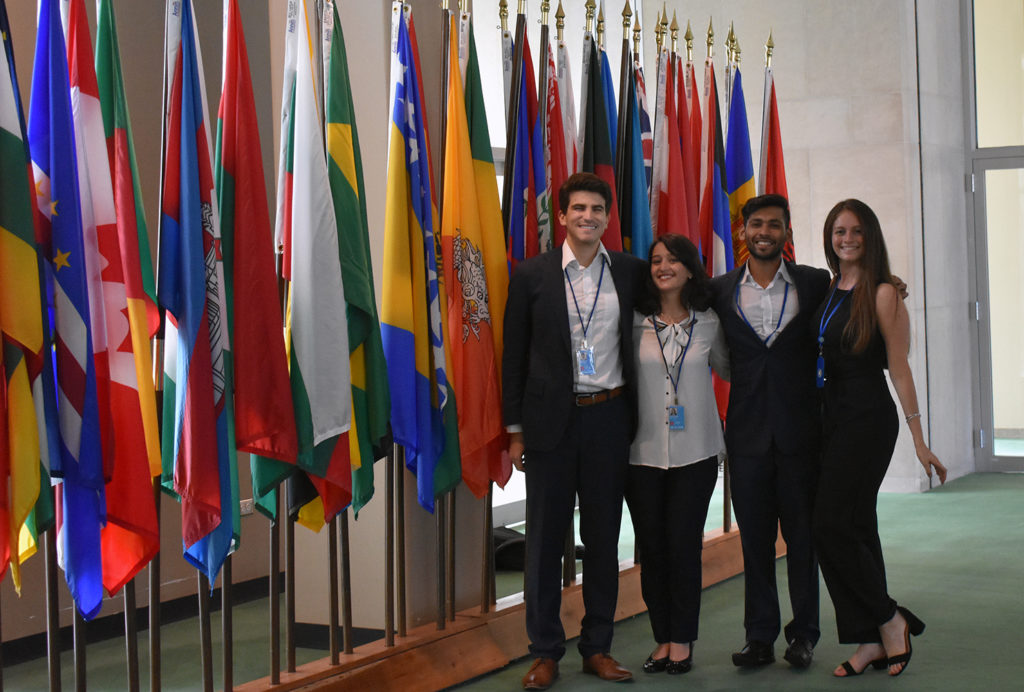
[(503, 14), (591, 10), (600, 28), (674, 28), (545, 9), (736, 51), (688, 36), (627, 15), (769, 48), (636, 34), (559, 20), (659, 35), (730, 44), (522, 7), (664, 21), (711, 40)]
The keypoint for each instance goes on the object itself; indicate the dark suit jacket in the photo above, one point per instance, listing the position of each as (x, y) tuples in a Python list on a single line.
[(537, 366), (773, 397)]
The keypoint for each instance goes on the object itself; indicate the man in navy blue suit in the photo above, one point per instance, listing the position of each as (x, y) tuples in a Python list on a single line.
[(569, 401)]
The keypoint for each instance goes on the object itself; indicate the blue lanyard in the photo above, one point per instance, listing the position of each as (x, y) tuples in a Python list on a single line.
[(585, 326), (679, 366), (826, 317), (785, 297)]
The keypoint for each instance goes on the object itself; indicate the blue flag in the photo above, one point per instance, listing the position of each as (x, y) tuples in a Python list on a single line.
[(82, 509)]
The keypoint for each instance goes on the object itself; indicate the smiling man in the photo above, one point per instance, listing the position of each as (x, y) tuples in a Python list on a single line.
[(569, 399), (772, 428)]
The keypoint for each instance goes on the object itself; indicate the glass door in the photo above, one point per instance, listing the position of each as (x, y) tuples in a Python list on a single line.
[(999, 257)]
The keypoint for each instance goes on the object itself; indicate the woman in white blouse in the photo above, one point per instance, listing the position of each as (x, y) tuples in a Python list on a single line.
[(674, 457)]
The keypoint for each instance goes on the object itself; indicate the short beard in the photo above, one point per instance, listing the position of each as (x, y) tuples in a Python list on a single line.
[(765, 258)]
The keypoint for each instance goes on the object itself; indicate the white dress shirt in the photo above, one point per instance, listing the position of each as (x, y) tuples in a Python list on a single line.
[(603, 328), (762, 306), (656, 444)]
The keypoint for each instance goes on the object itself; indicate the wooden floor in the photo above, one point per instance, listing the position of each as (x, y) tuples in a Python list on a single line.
[(477, 643)]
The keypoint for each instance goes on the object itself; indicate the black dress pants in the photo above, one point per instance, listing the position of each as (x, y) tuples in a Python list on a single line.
[(768, 491), (859, 441), (589, 461), (669, 508)]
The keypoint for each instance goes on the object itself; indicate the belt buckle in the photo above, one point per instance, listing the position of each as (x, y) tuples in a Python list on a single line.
[(588, 399)]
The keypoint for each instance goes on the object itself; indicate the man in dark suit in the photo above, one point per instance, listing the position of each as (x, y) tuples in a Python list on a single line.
[(773, 427), (569, 400)]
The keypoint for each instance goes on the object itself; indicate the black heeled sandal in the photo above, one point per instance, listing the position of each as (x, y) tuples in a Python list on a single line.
[(913, 627)]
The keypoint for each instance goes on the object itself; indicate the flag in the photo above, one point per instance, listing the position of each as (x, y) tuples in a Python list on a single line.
[(528, 182), (555, 166), (198, 446), (646, 135), (772, 174), (490, 217), (412, 331), (567, 98), (81, 505), (597, 150), (465, 242), (371, 403), (715, 233), (634, 210), (611, 108), (696, 126), (131, 536), (690, 172), (669, 203), (21, 325), (140, 288), (739, 168), (508, 52), (317, 325)]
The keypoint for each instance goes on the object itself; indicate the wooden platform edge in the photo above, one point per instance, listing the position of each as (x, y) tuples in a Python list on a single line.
[(479, 643)]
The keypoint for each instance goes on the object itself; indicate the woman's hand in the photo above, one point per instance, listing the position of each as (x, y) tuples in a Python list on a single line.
[(929, 461)]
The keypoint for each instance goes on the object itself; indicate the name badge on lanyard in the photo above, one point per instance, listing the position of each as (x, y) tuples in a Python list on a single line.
[(586, 363), (676, 412), (676, 418)]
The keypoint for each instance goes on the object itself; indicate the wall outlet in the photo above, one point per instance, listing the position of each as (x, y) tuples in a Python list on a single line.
[(246, 507)]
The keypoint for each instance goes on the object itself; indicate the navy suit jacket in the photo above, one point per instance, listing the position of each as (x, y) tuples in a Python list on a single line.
[(773, 397), (537, 365)]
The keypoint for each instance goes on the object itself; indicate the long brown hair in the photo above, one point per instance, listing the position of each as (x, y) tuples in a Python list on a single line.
[(695, 294), (874, 266)]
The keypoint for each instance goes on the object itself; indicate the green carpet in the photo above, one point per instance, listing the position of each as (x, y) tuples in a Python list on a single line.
[(955, 556)]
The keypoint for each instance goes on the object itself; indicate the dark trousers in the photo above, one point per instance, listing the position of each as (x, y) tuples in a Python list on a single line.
[(590, 461), (769, 491), (846, 523), (669, 508)]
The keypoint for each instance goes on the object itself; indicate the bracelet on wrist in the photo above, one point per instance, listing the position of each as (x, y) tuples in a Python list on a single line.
[(912, 416)]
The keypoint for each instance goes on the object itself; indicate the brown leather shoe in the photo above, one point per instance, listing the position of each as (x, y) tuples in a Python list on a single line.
[(606, 668), (542, 673)]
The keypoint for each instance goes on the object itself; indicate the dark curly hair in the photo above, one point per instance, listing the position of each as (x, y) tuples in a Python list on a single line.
[(584, 182), (696, 292)]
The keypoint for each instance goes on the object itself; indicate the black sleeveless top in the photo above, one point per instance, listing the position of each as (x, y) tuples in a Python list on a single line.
[(841, 363)]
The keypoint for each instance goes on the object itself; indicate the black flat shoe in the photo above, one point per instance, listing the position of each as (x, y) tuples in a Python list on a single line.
[(680, 667), (655, 665), (754, 654)]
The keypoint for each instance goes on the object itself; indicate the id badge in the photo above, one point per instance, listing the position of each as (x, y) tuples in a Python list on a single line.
[(676, 418), (585, 361), (820, 372)]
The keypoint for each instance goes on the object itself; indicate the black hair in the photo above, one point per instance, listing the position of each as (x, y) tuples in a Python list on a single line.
[(696, 292)]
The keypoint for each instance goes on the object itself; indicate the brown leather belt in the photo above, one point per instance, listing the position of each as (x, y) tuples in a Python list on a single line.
[(591, 398)]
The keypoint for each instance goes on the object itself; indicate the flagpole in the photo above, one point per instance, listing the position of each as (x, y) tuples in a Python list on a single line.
[(620, 138), (399, 537), (227, 624), (389, 546), (53, 607), (205, 636), (346, 585), (542, 52)]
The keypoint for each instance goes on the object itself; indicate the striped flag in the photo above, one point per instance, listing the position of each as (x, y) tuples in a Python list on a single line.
[(467, 240), (131, 536), (597, 152), (529, 184), (198, 446), (21, 326), (371, 402), (634, 211), (739, 168), (715, 233), (81, 502), (317, 326), (669, 203), (412, 330), (646, 134), (772, 174)]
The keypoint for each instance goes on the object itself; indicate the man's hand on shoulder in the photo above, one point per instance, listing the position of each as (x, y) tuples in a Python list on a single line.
[(901, 286)]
